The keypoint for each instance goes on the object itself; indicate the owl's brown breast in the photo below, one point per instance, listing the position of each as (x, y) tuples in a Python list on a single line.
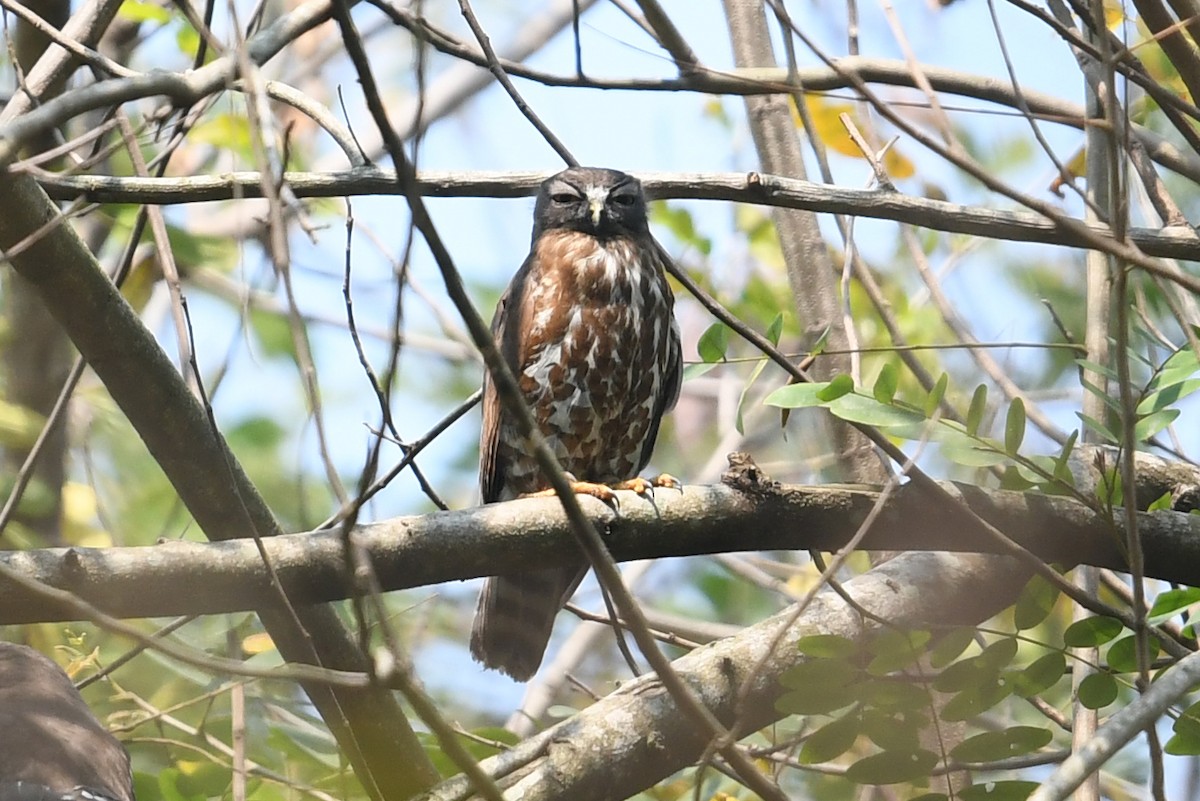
[(596, 345)]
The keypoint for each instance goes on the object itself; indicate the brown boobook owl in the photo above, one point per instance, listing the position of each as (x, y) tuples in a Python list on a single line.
[(52, 748), (587, 326)]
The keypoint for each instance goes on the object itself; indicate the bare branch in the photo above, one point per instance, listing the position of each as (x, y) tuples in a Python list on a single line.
[(409, 552), (1180, 242)]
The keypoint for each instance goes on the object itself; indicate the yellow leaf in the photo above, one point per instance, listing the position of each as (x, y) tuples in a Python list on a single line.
[(827, 124), (79, 502), (139, 11), (1076, 166), (828, 127), (258, 643), (1114, 14), (19, 427), (897, 165), (225, 130), (79, 514), (139, 284)]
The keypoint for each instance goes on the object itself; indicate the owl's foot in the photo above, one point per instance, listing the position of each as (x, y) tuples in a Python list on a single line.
[(607, 492), (643, 486), (603, 492)]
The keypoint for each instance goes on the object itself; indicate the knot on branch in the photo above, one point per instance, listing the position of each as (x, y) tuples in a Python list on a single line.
[(745, 476)]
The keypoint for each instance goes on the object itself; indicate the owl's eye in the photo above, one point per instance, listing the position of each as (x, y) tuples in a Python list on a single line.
[(563, 197), (623, 200)]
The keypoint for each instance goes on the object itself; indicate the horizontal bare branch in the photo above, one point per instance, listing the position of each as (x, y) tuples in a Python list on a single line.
[(1179, 242), (195, 578)]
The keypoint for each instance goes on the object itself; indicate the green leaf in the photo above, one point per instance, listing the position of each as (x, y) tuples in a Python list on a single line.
[(892, 767), (994, 745), (226, 130), (894, 695), (822, 341), (950, 646), (1108, 489), (830, 741), (678, 220), (203, 779), (1098, 690), (1122, 654), (975, 455), (962, 675), (1179, 367), (819, 675), (274, 334), (894, 650), (885, 385), (1186, 741), (775, 329), (976, 700), (976, 411), (934, 399), (797, 396), (1112, 403), (827, 646), (892, 731), (1042, 674), (1178, 745), (1014, 427), (806, 702), (1098, 369), (857, 408), (138, 11), (1062, 468), (168, 785), (999, 654), (1188, 721), (713, 343), (1091, 631), (1168, 396), (187, 39), (1146, 427), (758, 368), (1035, 603), (840, 385), (19, 426), (1009, 790), (1162, 503), (1171, 601), (1013, 478), (1105, 433)]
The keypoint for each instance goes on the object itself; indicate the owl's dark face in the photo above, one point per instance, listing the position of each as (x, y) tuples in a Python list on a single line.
[(603, 203)]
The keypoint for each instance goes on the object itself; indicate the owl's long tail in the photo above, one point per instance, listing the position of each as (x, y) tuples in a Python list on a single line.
[(515, 616)]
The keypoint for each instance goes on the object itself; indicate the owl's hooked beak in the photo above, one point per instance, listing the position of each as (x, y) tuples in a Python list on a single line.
[(596, 207)]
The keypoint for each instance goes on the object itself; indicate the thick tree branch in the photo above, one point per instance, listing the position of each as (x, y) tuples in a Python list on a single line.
[(636, 736), (197, 578)]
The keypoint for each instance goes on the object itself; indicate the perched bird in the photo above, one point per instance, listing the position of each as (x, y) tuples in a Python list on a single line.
[(587, 326), (52, 748)]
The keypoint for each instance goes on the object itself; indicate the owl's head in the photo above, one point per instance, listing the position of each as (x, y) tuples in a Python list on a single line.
[(592, 200)]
